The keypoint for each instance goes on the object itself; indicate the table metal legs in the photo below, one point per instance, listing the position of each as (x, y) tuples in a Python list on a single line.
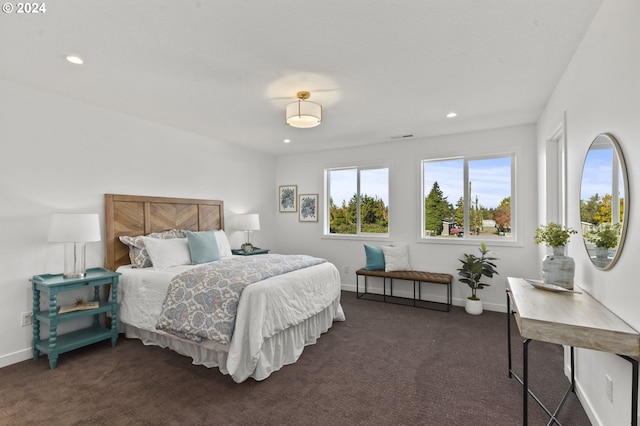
[(525, 378), (526, 392), (634, 389)]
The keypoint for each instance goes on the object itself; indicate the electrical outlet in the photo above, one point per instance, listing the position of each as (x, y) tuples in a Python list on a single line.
[(609, 387), (26, 318), (346, 269)]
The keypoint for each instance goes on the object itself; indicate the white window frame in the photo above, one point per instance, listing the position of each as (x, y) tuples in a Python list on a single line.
[(514, 154), (556, 175), (327, 204)]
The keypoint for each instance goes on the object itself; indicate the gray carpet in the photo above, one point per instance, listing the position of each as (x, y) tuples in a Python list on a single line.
[(386, 365)]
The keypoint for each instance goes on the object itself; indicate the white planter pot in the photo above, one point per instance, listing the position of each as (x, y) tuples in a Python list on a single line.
[(473, 307)]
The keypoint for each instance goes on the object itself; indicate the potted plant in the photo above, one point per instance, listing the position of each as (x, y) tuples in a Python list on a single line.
[(557, 269), (554, 235), (604, 237), (473, 269)]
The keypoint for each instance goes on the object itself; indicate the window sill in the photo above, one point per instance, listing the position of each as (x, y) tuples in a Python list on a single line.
[(471, 241), (360, 237)]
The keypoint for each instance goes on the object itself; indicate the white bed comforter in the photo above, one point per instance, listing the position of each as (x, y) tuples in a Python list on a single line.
[(265, 308)]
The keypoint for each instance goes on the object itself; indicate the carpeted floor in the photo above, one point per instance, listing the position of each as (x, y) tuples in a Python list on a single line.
[(386, 365)]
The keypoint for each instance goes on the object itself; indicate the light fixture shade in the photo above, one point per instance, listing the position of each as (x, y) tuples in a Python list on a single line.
[(248, 222), (74, 228), (303, 113)]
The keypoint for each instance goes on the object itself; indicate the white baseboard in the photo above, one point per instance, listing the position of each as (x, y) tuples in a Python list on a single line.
[(348, 287), (15, 357), (586, 405), (495, 307)]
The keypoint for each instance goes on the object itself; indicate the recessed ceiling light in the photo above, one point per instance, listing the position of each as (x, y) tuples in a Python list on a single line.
[(74, 59), (287, 140), (452, 114)]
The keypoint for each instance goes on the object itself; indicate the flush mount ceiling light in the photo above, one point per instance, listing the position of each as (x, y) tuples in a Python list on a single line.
[(303, 113)]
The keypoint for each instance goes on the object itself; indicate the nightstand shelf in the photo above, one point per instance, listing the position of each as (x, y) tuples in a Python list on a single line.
[(76, 339), (53, 285), (70, 316)]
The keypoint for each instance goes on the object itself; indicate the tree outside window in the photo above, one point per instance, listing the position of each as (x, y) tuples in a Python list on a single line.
[(467, 197), (358, 201)]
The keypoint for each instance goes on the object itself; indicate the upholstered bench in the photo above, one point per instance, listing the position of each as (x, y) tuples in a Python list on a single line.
[(418, 277)]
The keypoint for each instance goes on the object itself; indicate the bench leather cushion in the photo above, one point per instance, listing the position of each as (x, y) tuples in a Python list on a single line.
[(430, 277)]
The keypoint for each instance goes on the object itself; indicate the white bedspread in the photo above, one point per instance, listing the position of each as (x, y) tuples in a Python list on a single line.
[(265, 308)]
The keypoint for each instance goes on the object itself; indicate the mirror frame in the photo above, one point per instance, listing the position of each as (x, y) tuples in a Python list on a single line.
[(610, 139)]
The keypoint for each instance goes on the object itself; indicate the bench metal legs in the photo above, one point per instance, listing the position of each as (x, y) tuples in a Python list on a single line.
[(417, 302)]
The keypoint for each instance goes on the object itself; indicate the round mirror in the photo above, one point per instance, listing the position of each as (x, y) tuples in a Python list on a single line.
[(603, 207)]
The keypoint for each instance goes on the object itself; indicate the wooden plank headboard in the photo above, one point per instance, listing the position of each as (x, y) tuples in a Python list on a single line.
[(140, 215)]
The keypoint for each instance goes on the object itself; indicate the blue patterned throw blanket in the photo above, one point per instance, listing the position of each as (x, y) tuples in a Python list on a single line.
[(202, 302)]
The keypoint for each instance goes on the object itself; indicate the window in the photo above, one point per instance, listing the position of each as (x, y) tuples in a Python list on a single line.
[(358, 201), (468, 197)]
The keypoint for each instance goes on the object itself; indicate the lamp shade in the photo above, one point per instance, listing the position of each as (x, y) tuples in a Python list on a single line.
[(248, 222), (74, 228), (303, 113)]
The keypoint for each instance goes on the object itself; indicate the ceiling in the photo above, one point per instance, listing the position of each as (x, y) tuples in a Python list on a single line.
[(226, 69)]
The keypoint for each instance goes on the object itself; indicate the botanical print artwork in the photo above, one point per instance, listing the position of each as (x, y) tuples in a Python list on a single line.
[(308, 208), (288, 195)]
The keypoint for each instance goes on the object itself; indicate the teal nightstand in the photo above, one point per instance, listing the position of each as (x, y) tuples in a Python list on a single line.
[(55, 284), (256, 250)]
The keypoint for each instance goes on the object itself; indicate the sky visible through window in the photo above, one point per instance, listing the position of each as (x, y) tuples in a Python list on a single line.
[(373, 182), (490, 179), (599, 179)]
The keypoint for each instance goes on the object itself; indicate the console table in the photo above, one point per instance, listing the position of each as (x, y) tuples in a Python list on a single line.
[(572, 319)]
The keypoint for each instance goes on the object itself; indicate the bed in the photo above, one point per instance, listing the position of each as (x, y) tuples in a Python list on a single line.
[(275, 319)]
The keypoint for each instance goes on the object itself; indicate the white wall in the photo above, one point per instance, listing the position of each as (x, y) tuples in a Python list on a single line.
[(600, 91), (403, 159), (58, 155)]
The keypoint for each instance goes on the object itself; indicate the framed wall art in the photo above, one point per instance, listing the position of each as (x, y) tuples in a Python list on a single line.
[(287, 198), (308, 208)]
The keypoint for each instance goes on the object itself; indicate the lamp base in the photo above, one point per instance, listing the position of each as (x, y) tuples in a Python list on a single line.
[(74, 260), (75, 275), (247, 248)]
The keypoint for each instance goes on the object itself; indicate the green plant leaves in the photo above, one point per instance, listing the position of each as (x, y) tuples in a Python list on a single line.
[(474, 268)]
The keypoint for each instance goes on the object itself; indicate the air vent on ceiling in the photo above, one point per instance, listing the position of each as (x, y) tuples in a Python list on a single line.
[(401, 137)]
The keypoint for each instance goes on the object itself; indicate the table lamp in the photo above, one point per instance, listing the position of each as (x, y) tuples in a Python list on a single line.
[(74, 230), (248, 223)]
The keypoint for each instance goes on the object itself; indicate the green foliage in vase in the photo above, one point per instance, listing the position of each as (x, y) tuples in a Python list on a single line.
[(606, 235), (554, 235), (475, 267)]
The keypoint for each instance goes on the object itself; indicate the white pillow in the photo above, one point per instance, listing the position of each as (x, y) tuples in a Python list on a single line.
[(167, 253), (396, 258), (224, 248)]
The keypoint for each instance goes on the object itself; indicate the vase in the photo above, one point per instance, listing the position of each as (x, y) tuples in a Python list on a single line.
[(473, 307), (558, 269), (602, 257)]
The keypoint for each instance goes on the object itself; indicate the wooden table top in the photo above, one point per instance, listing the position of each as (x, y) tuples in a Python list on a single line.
[(574, 319)]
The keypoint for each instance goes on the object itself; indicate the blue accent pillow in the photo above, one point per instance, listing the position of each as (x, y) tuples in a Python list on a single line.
[(375, 258), (203, 246)]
